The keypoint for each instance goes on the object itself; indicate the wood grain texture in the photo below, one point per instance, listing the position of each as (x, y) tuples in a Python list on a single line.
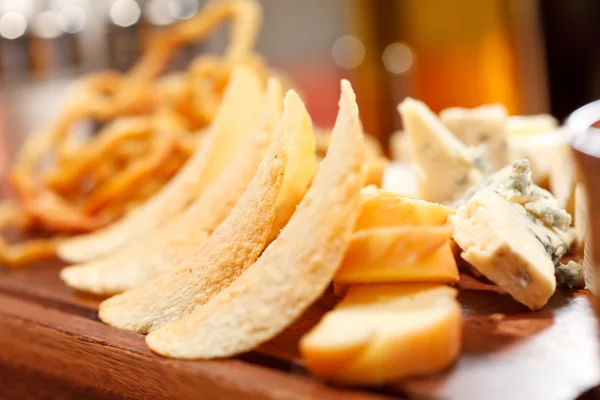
[(50, 336)]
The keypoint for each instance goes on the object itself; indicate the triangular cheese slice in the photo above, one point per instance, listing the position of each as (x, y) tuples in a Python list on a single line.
[(445, 167)]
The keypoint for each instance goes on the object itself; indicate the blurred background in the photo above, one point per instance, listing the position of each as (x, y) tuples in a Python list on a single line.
[(533, 56)]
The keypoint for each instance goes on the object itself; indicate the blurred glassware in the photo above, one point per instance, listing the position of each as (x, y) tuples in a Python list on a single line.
[(583, 130), (122, 33), (447, 53)]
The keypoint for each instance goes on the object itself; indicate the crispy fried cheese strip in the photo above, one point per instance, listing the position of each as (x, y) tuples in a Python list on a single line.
[(235, 245), (160, 250), (239, 110), (293, 271)]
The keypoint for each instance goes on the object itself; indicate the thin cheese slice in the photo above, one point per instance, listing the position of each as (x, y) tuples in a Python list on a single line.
[(381, 208), (382, 263), (445, 168), (164, 249), (293, 271), (237, 115), (480, 126), (383, 333)]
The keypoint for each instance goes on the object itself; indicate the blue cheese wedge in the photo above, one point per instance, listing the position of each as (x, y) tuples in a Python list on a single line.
[(514, 232), (480, 126), (445, 168), (508, 246)]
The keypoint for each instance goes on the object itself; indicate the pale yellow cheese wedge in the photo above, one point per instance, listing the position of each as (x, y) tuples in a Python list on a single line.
[(562, 178), (164, 249), (383, 333), (480, 126), (407, 255), (293, 271), (445, 168), (530, 124), (234, 246), (234, 121), (381, 208)]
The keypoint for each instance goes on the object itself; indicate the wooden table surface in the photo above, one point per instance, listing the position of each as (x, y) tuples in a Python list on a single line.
[(52, 345)]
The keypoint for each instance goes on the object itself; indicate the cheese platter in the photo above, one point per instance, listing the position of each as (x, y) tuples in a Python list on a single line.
[(210, 241)]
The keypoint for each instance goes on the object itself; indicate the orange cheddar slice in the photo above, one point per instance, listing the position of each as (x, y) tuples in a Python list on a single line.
[(380, 334), (380, 208), (400, 254), (438, 266)]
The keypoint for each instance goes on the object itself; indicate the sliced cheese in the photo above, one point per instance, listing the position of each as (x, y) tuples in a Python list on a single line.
[(380, 261), (508, 246), (400, 178), (383, 333), (445, 168), (381, 208), (481, 126)]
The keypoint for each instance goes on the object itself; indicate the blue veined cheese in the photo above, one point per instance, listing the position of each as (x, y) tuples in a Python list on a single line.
[(483, 125), (515, 184), (570, 275), (445, 168), (509, 246)]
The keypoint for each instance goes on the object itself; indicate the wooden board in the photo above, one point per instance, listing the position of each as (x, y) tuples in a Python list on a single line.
[(52, 345)]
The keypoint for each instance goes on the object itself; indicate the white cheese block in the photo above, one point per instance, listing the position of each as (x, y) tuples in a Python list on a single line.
[(480, 126), (508, 246), (562, 178), (444, 167), (583, 238), (530, 124), (542, 150), (399, 177)]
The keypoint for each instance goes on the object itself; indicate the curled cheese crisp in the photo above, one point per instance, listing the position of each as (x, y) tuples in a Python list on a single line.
[(293, 271), (239, 110), (167, 248)]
